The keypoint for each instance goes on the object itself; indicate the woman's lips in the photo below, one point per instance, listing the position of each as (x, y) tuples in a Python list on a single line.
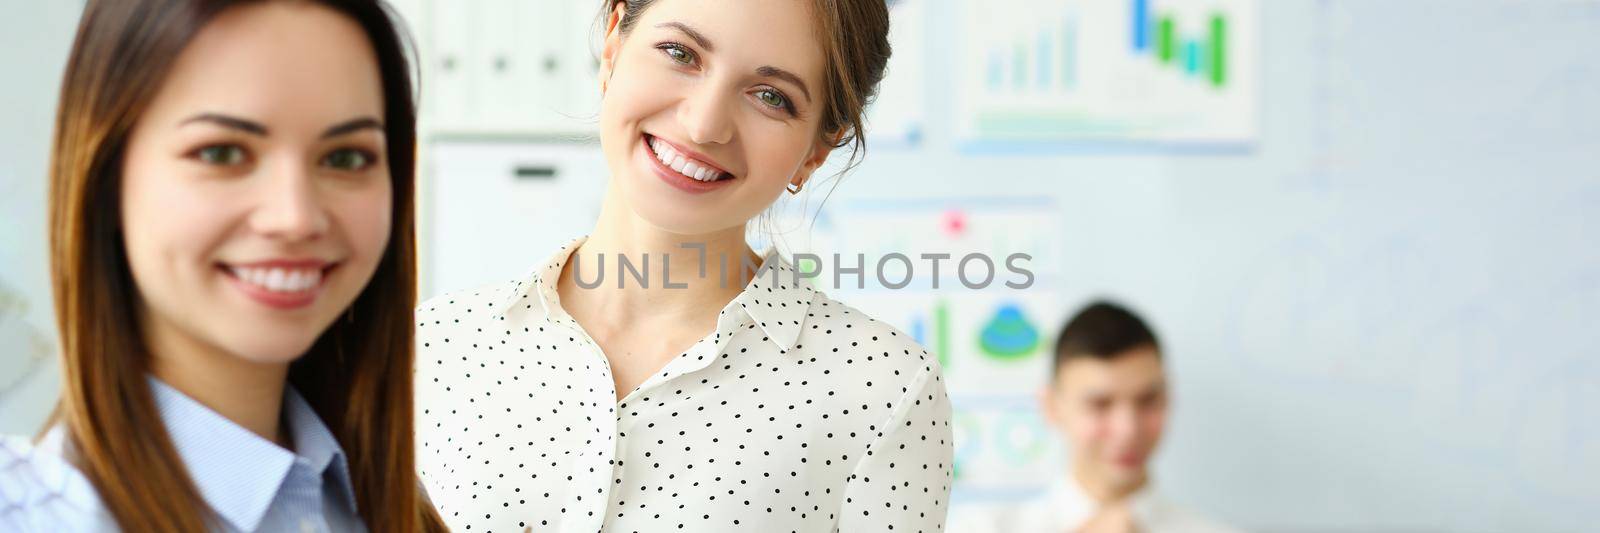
[(280, 284), (678, 179)]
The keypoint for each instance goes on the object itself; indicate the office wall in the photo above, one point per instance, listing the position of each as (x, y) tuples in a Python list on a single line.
[(1380, 314), (34, 37)]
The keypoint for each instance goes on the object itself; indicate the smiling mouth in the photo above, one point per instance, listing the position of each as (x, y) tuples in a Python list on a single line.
[(282, 285), (280, 279), (683, 165)]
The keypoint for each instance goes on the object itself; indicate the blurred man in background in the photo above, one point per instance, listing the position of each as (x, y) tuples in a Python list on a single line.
[(1108, 399)]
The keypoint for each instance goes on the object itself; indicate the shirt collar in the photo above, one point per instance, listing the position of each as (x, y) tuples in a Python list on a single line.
[(1072, 505), (538, 286), (237, 472), (777, 299)]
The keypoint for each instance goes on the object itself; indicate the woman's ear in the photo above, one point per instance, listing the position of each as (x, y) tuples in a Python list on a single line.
[(819, 155), (612, 44)]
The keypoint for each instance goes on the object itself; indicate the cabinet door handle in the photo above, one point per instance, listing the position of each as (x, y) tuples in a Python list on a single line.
[(534, 172)]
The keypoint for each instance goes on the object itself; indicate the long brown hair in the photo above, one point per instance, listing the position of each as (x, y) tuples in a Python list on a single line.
[(358, 373)]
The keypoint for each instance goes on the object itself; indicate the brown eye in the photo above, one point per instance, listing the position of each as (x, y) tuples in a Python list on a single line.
[(220, 155), (347, 159)]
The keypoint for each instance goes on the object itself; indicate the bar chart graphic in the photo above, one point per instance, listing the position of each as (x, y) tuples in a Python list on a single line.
[(1206, 56), (1161, 71), (1042, 61)]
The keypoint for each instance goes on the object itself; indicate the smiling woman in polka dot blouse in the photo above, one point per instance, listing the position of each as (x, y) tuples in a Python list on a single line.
[(690, 394)]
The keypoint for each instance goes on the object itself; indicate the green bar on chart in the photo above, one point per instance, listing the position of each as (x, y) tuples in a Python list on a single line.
[(1219, 51), (1167, 39)]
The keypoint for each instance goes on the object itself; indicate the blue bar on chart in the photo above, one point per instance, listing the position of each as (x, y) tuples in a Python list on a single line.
[(997, 71), (1141, 25), (1019, 66), (1069, 39), (1043, 62)]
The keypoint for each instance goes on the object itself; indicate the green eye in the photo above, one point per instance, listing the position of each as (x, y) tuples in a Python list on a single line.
[(772, 98), (347, 159), (678, 53), (222, 155)]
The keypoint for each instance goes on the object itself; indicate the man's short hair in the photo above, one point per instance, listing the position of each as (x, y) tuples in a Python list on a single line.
[(1102, 330)]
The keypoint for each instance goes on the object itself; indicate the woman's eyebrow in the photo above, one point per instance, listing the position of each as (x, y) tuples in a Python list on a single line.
[(255, 128), (775, 72), (234, 123), (353, 125), (698, 37)]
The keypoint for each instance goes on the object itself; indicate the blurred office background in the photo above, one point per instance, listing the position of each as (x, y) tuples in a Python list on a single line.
[(1366, 230)]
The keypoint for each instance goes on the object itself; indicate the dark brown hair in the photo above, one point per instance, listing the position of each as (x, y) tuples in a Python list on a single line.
[(1102, 330), (854, 36), (120, 57)]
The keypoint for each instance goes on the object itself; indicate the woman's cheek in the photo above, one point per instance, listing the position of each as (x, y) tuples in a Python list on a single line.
[(172, 224), (366, 216)]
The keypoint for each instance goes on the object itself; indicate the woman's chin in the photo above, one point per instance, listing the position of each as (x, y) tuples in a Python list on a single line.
[(671, 216), (266, 351)]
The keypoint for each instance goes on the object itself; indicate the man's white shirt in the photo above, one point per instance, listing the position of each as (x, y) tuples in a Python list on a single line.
[(1065, 507)]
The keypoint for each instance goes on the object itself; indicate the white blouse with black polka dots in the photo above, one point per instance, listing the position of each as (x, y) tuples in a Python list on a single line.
[(797, 414)]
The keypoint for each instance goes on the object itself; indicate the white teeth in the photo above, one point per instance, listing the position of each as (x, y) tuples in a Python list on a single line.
[(683, 165), (662, 152), (279, 279)]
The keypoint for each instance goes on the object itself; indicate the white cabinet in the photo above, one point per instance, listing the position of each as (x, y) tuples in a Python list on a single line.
[(520, 68), (499, 208)]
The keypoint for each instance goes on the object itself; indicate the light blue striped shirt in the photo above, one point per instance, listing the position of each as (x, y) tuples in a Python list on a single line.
[(249, 483)]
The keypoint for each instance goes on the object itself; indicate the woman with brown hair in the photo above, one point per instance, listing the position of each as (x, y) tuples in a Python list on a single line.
[(234, 271), (574, 401)]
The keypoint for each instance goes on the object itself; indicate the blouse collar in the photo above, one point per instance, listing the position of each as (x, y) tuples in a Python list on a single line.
[(237, 472)]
